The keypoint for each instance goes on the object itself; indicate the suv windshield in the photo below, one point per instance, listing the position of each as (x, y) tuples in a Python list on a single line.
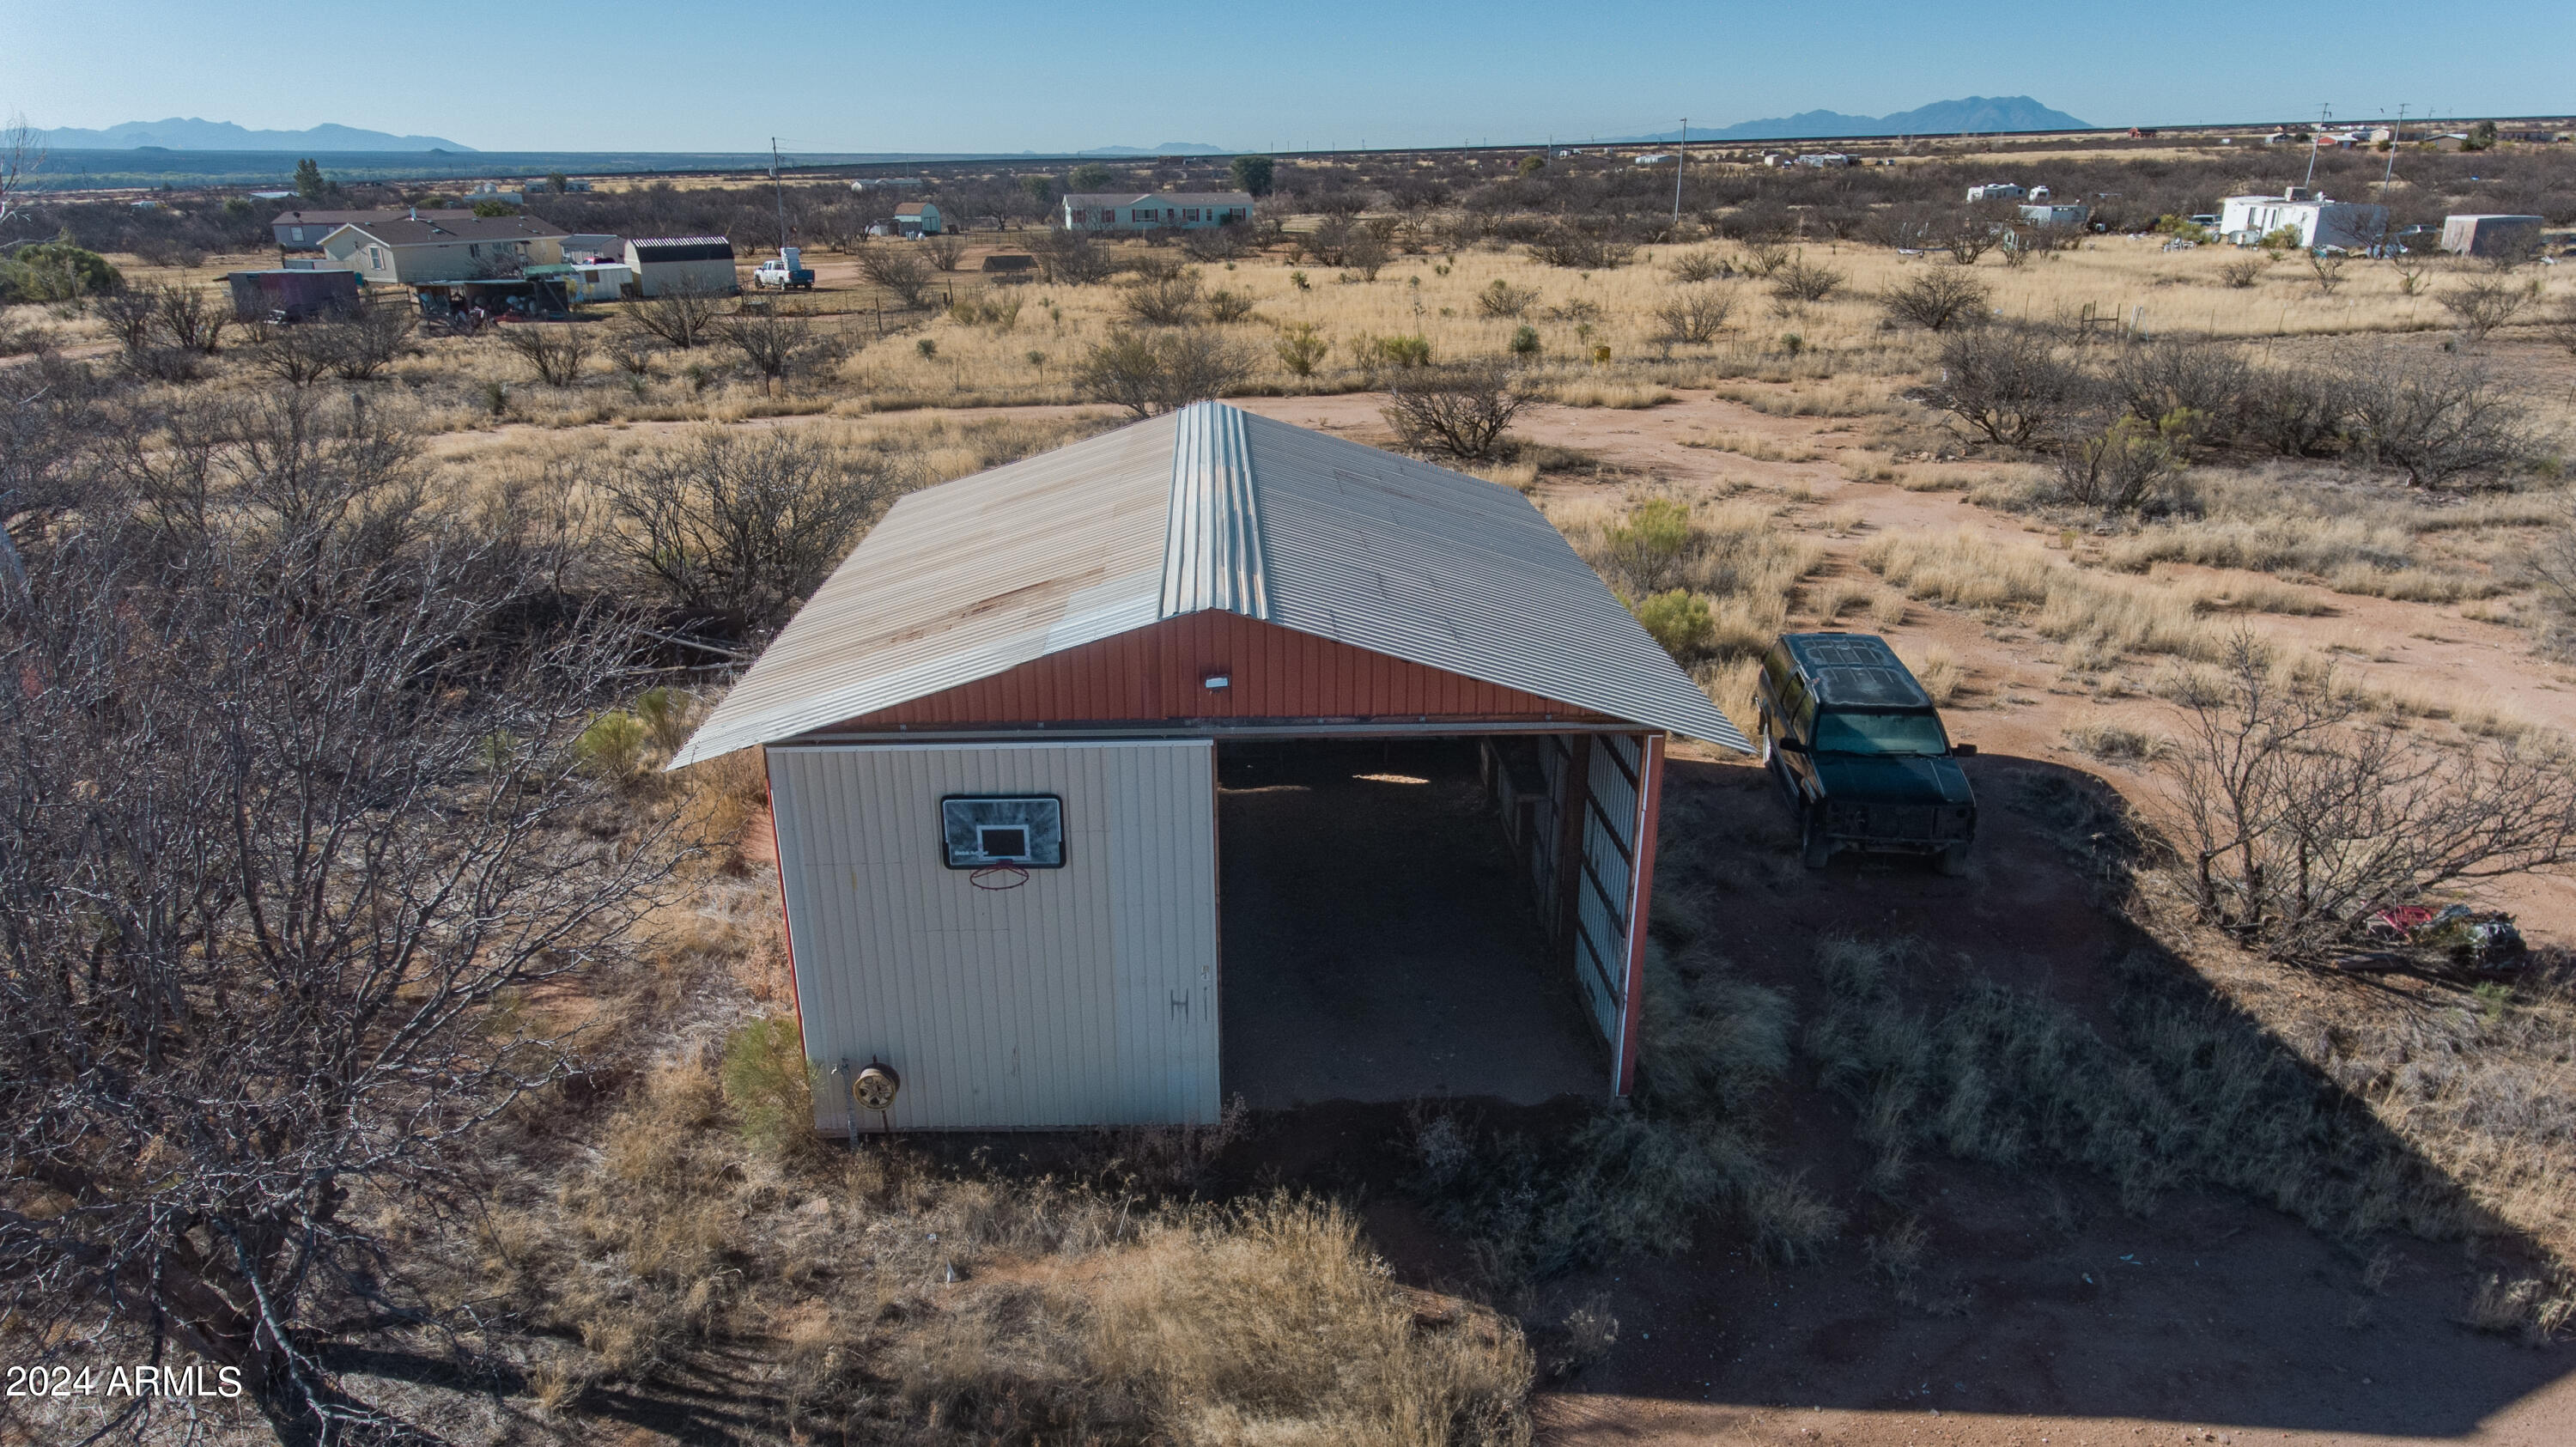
[(1879, 733)]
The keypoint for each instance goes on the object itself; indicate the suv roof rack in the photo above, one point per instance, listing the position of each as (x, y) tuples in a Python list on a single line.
[(1854, 670)]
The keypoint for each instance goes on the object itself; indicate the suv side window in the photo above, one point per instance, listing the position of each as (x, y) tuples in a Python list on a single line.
[(1794, 704)]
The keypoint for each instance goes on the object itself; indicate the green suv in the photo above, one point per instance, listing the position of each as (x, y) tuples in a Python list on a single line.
[(1859, 752)]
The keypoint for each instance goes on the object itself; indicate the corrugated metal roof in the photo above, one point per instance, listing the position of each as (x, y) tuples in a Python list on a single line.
[(1208, 508)]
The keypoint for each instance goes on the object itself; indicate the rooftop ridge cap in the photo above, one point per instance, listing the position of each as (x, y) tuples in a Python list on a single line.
[(1213, 556)]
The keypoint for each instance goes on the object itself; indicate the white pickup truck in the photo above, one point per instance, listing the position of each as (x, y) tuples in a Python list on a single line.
[(782, 273)]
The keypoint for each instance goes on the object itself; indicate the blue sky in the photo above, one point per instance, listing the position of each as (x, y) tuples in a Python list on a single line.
[(1008, 75)]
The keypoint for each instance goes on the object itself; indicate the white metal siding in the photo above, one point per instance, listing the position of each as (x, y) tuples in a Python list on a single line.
[(1607, 887), (1087, 996)]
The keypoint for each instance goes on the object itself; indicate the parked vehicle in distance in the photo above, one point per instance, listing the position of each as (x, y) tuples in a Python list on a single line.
[(783, 272), (1859, 752)]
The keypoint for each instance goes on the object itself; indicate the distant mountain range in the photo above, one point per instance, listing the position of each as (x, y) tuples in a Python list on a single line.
[(1974, 115), (1167, 148), (192, 134)]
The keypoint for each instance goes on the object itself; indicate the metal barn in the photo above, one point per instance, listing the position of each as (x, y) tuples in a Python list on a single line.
[(1027, 741)]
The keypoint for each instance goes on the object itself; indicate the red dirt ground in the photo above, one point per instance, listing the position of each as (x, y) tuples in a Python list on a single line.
[(2045, 1314)]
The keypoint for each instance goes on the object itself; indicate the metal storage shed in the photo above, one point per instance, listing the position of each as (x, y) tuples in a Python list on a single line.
[(1024, 679)]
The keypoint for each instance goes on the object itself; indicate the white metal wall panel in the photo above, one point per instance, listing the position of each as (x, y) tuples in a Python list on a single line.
[(1603, 901), (1086, 996)]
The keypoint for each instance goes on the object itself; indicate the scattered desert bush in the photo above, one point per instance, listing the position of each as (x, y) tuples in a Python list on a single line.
[(682, 316), (554, 351), (1164, 301), (743, 528), (1463, 411), (2126, 467), (2188, 1092), (1580, 249), (1801, 280), (1162, 370), (2300, 813), (1699, 265), (1680, 621), (897, 268), (1300, 348), (2008, 383), (945, 249), (774, 342), (1937, 298), (2483, 303), (2441, 420), (1502, 299), (1694, 315)]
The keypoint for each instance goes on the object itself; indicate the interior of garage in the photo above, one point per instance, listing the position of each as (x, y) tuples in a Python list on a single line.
[(1378, 940)]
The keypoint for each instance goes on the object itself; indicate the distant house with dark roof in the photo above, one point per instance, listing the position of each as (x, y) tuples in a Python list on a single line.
[(457, 248), (304, 230), (1173, 210), (664, 265)]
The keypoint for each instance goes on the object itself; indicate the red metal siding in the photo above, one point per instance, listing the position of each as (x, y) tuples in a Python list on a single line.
[(1160, 672)]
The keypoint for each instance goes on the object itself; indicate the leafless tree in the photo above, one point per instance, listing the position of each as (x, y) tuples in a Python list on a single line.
[(299, 356), (2560, 324), (192, 318), (554, 351), (681, 316), (2441, 419), (2484, 303), (370, 337), (2328, 270), (2299, 813), (945, 250), (286, 825), (1462, 411), (1367, 251), (2125, 467), (2008, 383), (1801, 280), (22, 154), (1153, 372), (897, 268), (745, 527), (1937, 298), (1072, 259), (773, 341), (1694, 315)]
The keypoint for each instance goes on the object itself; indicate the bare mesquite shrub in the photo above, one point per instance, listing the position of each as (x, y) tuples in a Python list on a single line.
[(2300, 813), (1799, 280), (945, 249), (2127, 467), (258, 983), (1937, 298), (1694, 315), (898, 268), (742, 527), (1073, 259), (1462, 411), (1150, 372), (2439, 419), (775, 342), (554, 351), (1168, 300), (682, 316), (2483, 303), (2009, 384)]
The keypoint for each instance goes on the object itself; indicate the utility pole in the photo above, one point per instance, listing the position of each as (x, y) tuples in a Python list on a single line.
[(2322, 113), (2396, 137), (1681, 157), (778, 184)]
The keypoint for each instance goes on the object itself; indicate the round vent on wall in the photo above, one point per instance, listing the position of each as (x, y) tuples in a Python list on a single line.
[(875, 1088)]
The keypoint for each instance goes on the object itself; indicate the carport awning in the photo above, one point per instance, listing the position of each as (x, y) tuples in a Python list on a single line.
[(1208, 508)]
